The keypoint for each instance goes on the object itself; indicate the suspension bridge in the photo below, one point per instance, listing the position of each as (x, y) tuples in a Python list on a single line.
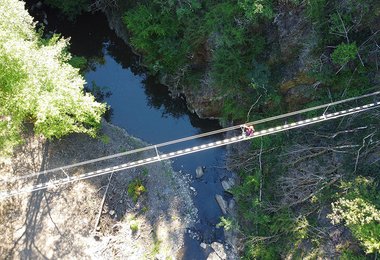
[(61, 176)]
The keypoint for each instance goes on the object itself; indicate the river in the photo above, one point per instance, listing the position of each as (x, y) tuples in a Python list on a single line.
[(145, 109)]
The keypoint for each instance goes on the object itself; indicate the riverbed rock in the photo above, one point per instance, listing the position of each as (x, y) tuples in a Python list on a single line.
[(213, 256), (199, 172), (219, 250), (228, 184), (222, 203), (231, 204)]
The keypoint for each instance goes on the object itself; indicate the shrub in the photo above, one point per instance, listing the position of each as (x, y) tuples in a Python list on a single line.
[(37, 84), (134, 226), (136, 189), (344, 53)]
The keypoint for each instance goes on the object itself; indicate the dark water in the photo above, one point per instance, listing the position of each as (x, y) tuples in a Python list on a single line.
[(145, 109)]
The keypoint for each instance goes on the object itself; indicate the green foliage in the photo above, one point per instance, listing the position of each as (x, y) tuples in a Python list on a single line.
[(359, 211), (316, 10), (229, 68), (136, 189), (221, 15), (362, 218), (350, 255), (145, 171), (71, 8), (134, 226), (254, 9), (156, 245), (37, 85), (155, 33), (261, 251), (79, 62), (167, 33), (344, 53), (105, 139), (227, 223)]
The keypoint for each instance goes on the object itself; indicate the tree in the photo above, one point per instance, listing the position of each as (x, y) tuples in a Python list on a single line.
[(362, 218), (37, 84), (359, 210)]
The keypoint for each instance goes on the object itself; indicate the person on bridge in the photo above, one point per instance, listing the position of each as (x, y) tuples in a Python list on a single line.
[(248, 130)]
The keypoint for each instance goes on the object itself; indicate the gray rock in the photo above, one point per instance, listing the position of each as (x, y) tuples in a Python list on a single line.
[(213, 256), (199, 172), (219, 250), (231, 204), (203, 245), (222, 203), (231, 181), (228, 184)]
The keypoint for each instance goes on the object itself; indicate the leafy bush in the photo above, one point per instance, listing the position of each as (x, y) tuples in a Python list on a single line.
[(37, 85), (136, 189), (227, 223), (155, 33), (254, 9), (79, 62), (134, 226), (359, 211), (316, 10), (344, 53)]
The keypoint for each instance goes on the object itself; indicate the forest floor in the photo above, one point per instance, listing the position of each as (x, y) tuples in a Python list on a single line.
[(59, 223)]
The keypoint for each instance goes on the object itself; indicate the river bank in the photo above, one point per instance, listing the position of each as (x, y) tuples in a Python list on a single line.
[(60, 222)]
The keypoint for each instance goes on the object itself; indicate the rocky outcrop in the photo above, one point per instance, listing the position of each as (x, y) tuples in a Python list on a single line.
[(292, 48), (204, 100), (114, 15)]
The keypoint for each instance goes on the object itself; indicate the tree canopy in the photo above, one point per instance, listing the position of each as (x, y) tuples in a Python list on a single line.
[(37, 84)]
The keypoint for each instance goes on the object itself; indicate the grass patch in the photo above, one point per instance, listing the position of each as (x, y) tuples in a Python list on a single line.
[(134, 226), (136, 189), (105, 139)]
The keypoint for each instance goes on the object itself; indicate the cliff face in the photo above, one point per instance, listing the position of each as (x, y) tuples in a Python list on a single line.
[(296, 40)]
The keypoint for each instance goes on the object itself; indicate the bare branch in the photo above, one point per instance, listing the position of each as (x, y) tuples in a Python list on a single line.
[(257, 100), (359, 150)]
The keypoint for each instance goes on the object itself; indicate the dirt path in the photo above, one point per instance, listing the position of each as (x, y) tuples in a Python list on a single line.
[(60, 223)]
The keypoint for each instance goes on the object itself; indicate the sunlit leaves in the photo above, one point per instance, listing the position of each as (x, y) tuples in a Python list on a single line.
[(255, 9), (37, 85), (359, 211)]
